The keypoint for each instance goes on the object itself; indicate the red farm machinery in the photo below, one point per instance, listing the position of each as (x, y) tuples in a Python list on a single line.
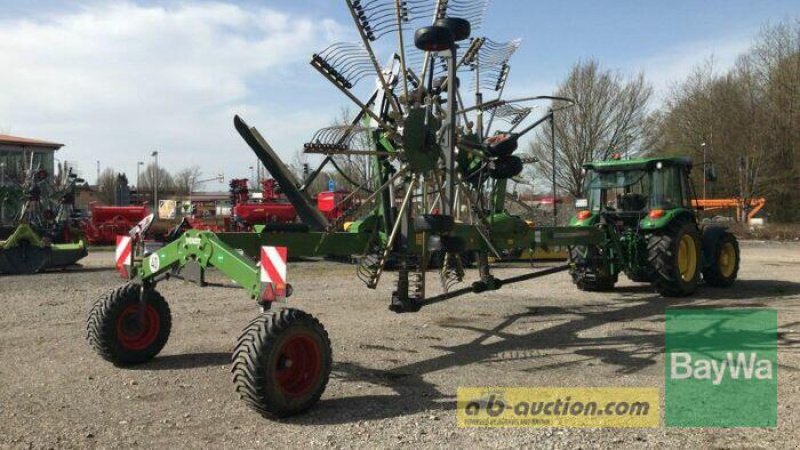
[(105, 223)]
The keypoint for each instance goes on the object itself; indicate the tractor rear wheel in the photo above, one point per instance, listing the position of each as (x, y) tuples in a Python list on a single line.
[(724, 265), (674, 254), (120, 333), (282, 363), (585, 270)]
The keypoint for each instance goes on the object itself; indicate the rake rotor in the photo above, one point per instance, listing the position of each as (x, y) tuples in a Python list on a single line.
[(428, 147)]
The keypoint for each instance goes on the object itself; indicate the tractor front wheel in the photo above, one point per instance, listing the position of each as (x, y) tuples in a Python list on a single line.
[(674, 254), (124, 334), (282, 363)]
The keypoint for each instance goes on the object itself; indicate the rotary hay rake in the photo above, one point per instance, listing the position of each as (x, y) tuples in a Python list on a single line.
[(439, 176), (44, 235)]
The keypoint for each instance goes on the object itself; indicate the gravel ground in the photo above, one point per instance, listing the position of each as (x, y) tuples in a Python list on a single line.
[(394, 377)]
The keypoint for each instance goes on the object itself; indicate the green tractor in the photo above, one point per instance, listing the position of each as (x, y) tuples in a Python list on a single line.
[(645, 208)]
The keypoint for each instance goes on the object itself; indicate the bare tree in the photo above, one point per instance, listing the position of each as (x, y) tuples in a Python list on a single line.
[(186, 180), (107, 186), (112, 187), (165, 182), (353, 169), (749, 120), (611, 116)]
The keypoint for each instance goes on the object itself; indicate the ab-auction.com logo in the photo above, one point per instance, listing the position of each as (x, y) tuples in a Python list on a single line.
[(557, 407), (721, 368)]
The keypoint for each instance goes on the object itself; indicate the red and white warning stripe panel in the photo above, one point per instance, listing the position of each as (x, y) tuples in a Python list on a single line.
[(273, 274), (273, 265), (123, 255)]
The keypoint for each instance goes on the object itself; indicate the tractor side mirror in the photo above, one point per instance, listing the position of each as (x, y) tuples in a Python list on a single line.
[(711, 172)]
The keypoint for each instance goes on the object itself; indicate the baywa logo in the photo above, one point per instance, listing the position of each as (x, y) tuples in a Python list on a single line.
[(743, 366), (721, 368)]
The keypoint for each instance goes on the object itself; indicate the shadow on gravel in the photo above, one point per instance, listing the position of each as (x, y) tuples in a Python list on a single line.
[(185, 361), (412, 395), (747, 289), (630, 350)]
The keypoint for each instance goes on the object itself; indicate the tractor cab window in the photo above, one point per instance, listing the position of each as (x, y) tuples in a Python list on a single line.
[(624, 191), (667, 188)]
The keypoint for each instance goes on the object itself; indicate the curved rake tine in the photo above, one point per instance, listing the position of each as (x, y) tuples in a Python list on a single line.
[(368, 48), (401, 44)]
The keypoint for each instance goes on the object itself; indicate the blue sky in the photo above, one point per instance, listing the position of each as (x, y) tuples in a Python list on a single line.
[(116, 80)]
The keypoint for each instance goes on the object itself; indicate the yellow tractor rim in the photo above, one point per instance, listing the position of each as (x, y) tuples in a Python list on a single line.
[(687, 257), (727, 260)]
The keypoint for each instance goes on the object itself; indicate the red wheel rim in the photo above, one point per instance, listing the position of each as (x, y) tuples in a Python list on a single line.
[(298, 365), (134, 333)]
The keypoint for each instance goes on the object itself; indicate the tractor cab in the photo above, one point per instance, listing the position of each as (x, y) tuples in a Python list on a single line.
[(635, 192)]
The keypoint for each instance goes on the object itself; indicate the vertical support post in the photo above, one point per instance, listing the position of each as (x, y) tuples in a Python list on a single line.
[(450, 136)]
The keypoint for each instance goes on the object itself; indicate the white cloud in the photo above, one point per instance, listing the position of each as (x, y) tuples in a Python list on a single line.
[(116, 80), (675, 64)]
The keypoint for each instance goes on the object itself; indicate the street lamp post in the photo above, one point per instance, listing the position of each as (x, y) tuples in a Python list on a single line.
[(155, 184)]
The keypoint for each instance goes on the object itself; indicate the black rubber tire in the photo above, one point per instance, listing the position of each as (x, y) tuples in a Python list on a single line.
[(447, 244), (662, 249), (258, 355), (459, 28), (103, 325), (503, 146), (433, 38), (433, 223), (505, 167), (584, 276), (712, 274)]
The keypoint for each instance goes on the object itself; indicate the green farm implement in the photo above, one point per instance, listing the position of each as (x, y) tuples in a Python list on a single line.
[(438, 186), (644, 208), (42, 236), (24, 252)]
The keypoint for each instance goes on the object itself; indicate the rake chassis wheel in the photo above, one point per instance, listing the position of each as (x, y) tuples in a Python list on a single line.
[(282, 363), (120, 332)]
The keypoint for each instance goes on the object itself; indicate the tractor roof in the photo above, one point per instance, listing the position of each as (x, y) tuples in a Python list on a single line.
[(638, 163)]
